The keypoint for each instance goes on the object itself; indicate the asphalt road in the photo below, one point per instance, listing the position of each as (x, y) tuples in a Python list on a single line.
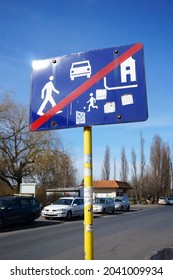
[(134, 235)]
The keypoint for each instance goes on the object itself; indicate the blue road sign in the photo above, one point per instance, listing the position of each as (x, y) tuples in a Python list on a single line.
[(105, 86)]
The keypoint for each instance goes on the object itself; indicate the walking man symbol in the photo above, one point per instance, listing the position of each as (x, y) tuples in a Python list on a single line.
[(46, 94)]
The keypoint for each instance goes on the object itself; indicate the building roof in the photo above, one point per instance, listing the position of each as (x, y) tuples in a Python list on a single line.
[(111, 184)]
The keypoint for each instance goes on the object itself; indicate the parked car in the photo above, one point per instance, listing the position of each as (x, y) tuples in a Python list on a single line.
[(121, 203), (64, 207), (103, 205), (18, 209), (170, 200), (163, 201)]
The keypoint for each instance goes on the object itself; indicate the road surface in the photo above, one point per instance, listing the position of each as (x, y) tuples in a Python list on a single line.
[(134, 235)]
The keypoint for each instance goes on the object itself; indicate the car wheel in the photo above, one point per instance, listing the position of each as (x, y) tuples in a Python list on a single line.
[(104, 211), (128, 208), (1, 223), (69, 216), (31, 219), (113, 210)]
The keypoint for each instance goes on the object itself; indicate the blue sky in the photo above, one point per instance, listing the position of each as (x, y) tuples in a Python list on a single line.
[(41, 29)]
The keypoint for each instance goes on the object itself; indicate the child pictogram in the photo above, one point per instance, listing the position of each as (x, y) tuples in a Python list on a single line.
[(91, 102)]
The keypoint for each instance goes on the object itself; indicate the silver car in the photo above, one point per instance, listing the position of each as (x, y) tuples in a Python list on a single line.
[(121, 203), (103, 205)]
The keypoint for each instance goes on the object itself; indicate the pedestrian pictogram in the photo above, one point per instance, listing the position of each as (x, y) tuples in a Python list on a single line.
[(46, 94), (105, 86)]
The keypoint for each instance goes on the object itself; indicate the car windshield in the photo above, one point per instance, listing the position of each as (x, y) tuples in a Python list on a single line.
[(80, 65), (63, 201), (117, 200), (3, 203), (99, 200)]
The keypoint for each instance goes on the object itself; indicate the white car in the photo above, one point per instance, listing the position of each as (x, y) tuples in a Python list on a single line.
[(64, 207), (163, 201), (79, 69), (121, 203)]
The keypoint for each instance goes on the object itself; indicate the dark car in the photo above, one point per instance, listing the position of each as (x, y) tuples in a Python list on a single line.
[(18, 209), (170, 200)]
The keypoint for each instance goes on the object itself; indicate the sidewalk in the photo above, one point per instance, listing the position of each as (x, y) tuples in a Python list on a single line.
[(164, 254)]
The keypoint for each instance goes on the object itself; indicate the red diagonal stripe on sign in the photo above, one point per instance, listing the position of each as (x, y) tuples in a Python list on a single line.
[(85, 86)]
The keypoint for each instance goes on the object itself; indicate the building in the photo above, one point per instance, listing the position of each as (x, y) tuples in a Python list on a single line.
[(111, 188)]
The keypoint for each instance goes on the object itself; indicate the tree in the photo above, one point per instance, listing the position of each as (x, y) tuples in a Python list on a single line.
[(155, 159), (5, 107), (160, 159), (54, 169), (115, 169), (124, 165), (134, 176), (22, 152), (106, 165), (166, 169), (18, 146), (142, 166)]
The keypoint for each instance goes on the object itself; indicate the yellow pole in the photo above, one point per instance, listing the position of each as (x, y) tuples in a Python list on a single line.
[(88, 194)]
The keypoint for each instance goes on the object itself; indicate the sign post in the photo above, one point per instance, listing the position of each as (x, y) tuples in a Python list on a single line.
[(88, 194)]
